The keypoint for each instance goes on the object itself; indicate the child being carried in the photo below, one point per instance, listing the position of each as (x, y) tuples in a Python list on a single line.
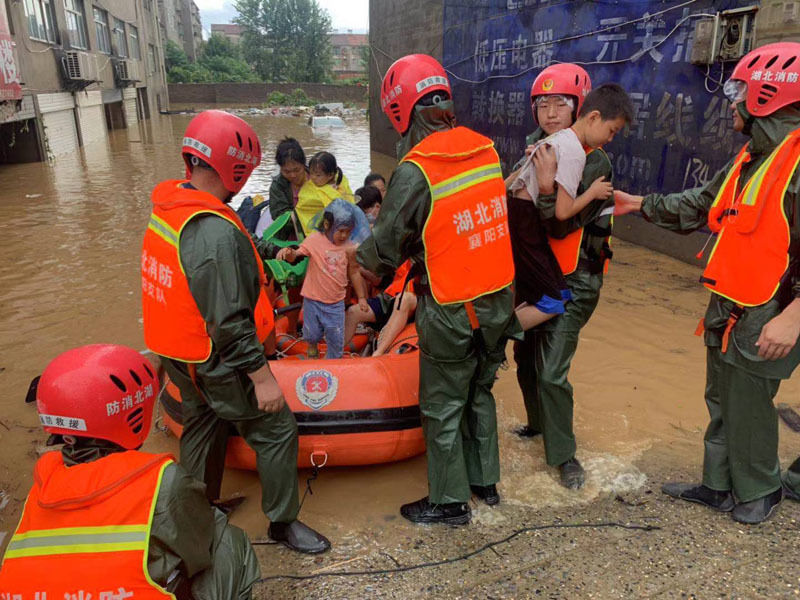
[(540, 287)]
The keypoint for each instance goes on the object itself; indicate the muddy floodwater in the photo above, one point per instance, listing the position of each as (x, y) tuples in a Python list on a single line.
[(70, 235)]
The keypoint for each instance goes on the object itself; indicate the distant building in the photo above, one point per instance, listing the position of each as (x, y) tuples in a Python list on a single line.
[(73, 70), (348, 53), (229, 30), (180, 23)]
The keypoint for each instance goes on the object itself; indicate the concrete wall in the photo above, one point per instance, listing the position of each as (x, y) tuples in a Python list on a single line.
[(255, 94), (397, 28)]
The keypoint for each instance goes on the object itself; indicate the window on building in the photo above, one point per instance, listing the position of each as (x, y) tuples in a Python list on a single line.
[(151, 58), (41, 20), (120, 42), (101, 29), (76, 24), (133, 33)]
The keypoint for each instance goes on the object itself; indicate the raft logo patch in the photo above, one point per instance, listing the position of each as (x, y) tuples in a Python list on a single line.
[(316, 389)]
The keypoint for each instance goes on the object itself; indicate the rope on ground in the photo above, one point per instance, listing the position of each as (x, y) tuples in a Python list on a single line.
[(484, 548)]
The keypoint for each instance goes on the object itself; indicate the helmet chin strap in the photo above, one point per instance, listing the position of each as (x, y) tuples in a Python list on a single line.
[(747, 117), (425, 120)]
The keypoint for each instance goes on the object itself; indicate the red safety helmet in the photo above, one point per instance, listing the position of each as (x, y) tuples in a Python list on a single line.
[(100, 391), (226, 143), (407, 80), (563, 79), (772, 76)]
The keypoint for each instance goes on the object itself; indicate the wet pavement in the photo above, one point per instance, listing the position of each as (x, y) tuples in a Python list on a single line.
[(71, 233)]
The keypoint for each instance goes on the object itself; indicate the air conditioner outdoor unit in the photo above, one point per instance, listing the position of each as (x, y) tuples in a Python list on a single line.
[(127, 70), (80, 66)]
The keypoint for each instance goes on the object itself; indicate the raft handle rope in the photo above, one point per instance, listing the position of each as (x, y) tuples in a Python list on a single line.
[(324, 461), (484, 548), (315, 469)]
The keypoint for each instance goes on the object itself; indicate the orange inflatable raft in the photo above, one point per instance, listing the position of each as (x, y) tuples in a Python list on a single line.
[(349, 411)]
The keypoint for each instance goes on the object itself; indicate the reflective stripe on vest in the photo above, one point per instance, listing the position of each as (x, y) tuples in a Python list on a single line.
[(751, 254), (75, 540), (87, 528), (173, 325), (466, 240)]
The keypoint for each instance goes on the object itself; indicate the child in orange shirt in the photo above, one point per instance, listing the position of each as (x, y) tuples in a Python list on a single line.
[(331, 267)]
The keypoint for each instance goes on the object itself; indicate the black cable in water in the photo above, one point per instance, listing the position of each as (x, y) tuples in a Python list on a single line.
[(446, 561)]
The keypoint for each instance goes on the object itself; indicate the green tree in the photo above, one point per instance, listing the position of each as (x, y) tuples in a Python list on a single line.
[(219, 45), (286, 40), (174, 56), (219, 60)]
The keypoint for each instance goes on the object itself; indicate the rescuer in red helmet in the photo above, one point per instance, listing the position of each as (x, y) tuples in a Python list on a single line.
[(753, 318), (581, 246), (207, 315), (445, 210), (106, 520)]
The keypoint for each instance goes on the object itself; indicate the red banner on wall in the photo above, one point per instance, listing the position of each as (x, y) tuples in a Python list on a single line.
[(9, 75)]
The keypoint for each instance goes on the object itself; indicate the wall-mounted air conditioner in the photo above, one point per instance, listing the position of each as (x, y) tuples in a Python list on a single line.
[(79, 66), (127, 70)]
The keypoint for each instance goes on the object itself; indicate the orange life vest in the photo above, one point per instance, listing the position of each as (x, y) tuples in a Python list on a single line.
[(398, 283), (173, 325), (85, 531), (567, 250), (467, 246), (751, 253)]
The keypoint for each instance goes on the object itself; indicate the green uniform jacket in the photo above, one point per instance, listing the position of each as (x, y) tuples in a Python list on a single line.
[(186, 532), (224, 281), (280, 197), (687, 211)]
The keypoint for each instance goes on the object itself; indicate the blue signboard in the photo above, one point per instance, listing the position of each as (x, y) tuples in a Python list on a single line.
[(493, 50)]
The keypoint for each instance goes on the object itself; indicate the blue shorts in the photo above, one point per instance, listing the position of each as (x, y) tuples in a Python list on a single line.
[(324, 320)]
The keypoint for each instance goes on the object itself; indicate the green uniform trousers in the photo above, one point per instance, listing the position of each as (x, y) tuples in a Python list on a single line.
[(210, 410), (234, 568), (543, 360), (459, 416), (741, 441)]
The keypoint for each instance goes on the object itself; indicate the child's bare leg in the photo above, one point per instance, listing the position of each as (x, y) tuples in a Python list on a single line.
[(530, 316), (352, 318), (522, 194), (397, 320)]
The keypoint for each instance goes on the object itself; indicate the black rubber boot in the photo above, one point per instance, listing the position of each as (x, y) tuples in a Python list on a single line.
[(790, 493), (758, 510), (526, 431), (572, 474), (422, 511), (299, 537), (696, 492), (487, 493)]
